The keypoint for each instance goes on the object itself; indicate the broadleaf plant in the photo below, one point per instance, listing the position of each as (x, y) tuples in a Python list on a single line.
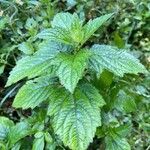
[(60, 75)]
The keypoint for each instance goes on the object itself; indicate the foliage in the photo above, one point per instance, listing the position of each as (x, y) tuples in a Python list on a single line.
[(67, 90)]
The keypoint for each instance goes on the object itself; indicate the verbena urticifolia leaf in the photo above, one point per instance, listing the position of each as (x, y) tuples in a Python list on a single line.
[(70, 68), (75, 117), (117, 61), (33, 93), (33, 66), (93, 26), (5, 125)]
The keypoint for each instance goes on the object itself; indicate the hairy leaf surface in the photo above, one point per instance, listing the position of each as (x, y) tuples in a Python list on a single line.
[(116, 143), (32, 66), (38, 143), (63, 20), (17, 132), (71, 68), (56, 34), (93, 25), (114, 60), (75, 117), (33, 93)]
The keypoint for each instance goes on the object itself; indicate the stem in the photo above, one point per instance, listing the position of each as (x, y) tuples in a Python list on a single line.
[(9, 93)]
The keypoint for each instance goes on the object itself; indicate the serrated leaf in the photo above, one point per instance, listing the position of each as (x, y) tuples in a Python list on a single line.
[(75, 117), (67, 28), (38, 143), (32, 66), (56, 35), (2, 67), (71, 68), (93, 25), (17, 132), (33, 93), (63, 20), (116, 143), (17, 146), (115, 60), (5, 125)]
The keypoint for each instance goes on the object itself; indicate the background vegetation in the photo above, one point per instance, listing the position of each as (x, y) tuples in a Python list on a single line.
[(21, 20)]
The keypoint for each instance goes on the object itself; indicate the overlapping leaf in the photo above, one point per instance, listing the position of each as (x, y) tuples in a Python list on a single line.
[(56, 34), (5, 125), (64, 20), (116, 143), (32, 66), (93, 25), (125, 102), (68, 28), (38, 142), (75, 117), (71, 67), (115, 60), (17, 132), (33, 93)]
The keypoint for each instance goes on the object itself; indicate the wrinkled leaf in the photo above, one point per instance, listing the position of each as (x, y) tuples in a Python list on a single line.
[(33, 93), (115, 60), (71, 68), (75, 117)]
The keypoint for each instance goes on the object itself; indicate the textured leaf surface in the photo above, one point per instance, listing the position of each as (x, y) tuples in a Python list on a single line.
[(93, 25), (38, 143), (5, 125), (116, 143), (56, 34), (71, 67), (33, 93), (26, 47), (75, 117), (17, 132), (32, 66), (115, 60), (63, 20), (66, 28)]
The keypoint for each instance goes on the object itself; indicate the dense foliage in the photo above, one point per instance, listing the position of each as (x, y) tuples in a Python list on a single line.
[(74, 75)]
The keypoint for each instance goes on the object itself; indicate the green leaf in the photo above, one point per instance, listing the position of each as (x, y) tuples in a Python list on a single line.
[(116, 143), (125, 102), (33, 93), (93, 25), (115, 60), (66, 28), (48, 137), (17, 146), (75, 117), (17, 132), (2, 67), (63, 20), (38, 143), (123, 130), (32, 66), (71, 68), (3, 22), (2, 145), (118, 41), (57, 35), (5, 125), (26, 47)]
